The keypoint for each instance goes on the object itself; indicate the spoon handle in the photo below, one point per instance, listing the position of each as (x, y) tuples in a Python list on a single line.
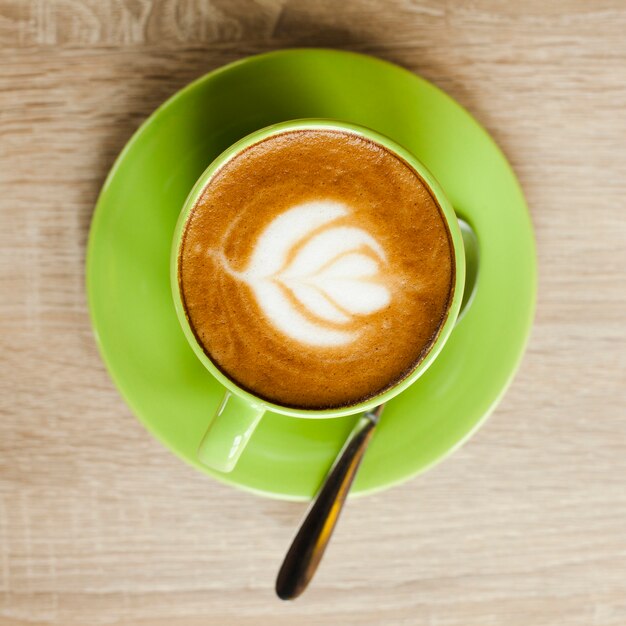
[(309, 545)]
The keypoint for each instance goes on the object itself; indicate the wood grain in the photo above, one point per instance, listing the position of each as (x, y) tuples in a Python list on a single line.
[(525, 525)]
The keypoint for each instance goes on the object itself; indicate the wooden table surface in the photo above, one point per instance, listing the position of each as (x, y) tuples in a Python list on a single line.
[(526, 525)]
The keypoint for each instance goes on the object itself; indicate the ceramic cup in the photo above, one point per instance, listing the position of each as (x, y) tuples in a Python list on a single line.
[(240, 411)]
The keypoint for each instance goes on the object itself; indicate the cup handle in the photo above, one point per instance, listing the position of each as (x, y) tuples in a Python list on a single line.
[(229, 432)]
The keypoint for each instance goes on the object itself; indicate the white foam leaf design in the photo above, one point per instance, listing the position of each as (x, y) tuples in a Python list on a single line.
[(333, 271), (284, 231)]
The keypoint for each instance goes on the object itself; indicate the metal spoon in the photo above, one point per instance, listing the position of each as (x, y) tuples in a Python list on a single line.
[(308, 547)]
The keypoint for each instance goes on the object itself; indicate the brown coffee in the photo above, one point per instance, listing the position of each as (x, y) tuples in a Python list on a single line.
[(316, 269)]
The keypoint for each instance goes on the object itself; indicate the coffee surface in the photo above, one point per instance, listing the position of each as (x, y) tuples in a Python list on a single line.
[(316, 269)]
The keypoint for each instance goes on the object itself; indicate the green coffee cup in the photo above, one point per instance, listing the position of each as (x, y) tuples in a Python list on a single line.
[(240, 411)]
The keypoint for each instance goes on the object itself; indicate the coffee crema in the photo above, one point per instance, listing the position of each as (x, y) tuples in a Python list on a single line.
[(316, 269)]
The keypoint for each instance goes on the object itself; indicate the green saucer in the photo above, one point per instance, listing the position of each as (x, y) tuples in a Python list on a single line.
[(128, 266)]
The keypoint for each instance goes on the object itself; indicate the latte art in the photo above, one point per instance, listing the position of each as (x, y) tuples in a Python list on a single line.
[(312, 276), (315, 269)]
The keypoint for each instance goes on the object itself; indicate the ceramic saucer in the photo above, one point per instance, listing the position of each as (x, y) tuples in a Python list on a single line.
[(129, 295)]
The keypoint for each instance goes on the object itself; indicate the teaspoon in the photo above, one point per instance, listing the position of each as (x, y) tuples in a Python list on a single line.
[(309, 544)]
